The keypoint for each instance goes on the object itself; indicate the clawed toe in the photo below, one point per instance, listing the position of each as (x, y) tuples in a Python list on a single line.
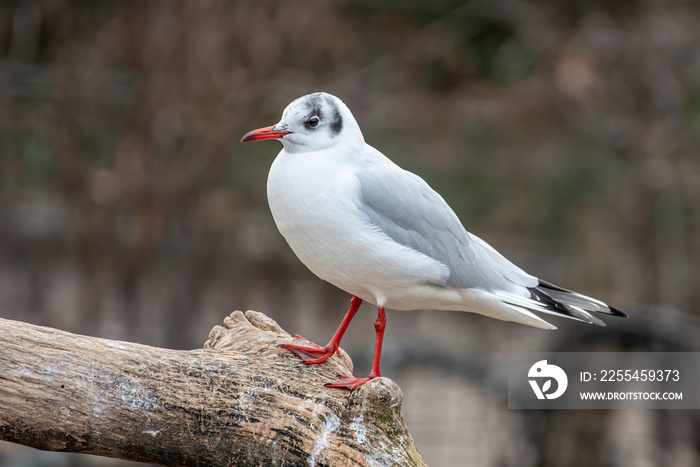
[(309, 352), (349, 382)]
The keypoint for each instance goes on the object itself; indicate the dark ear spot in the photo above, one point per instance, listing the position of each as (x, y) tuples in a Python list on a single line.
[(336, 122)]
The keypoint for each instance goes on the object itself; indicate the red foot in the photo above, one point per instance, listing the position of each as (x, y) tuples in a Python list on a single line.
[(350, 383), (309, 352)]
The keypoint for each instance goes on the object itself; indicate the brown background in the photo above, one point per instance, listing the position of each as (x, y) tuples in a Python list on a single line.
[(565, 133)]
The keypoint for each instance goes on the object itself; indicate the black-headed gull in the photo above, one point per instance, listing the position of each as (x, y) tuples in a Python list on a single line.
[(362, 223)]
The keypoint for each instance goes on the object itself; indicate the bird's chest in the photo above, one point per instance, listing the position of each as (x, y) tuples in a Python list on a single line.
[(313, 205), (318, 209)]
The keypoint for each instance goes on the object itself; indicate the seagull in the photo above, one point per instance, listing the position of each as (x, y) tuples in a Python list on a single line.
[(382, 234)]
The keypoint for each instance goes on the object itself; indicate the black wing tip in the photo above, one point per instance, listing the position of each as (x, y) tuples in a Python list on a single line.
[(548, 302), (561, 310), (613, 311), (616, 312)]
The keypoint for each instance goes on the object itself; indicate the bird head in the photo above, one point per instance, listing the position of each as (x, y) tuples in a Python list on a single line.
[(312, 122)]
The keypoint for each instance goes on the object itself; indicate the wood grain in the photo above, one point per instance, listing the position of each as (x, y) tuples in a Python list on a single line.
[(239, 401)]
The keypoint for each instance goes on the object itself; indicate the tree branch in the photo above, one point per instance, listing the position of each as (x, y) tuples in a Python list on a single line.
[(239, 401)]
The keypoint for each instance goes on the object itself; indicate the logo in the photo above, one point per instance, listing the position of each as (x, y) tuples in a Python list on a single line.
[(542, 371)]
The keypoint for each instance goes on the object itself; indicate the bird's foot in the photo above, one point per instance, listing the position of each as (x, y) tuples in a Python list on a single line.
[(309, 352), (349, 382)]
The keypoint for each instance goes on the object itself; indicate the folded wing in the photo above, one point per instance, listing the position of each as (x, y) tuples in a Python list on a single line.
[(405, 208)]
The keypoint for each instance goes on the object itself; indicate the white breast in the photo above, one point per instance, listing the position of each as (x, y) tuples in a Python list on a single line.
[(314, 201)]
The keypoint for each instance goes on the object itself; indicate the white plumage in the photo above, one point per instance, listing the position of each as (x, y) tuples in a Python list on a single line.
[(360, 222)]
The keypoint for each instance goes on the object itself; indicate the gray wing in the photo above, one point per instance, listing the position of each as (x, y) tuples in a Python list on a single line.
[(411, 213)]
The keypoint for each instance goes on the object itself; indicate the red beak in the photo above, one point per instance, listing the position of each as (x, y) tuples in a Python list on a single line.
[(262, 134)]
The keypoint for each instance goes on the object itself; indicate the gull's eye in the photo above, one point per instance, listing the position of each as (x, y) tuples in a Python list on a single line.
[(312, 122)]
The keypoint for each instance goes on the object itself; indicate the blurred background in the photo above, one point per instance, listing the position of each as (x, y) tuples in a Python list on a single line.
[(565, 133)]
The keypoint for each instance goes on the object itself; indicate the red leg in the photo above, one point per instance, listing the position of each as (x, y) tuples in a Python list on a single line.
[(311, 353), (351, 383)]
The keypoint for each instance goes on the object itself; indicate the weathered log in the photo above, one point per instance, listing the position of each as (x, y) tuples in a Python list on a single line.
[(239, 401)]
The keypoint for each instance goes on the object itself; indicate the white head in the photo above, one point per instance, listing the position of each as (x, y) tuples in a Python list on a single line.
[(312, 122)]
